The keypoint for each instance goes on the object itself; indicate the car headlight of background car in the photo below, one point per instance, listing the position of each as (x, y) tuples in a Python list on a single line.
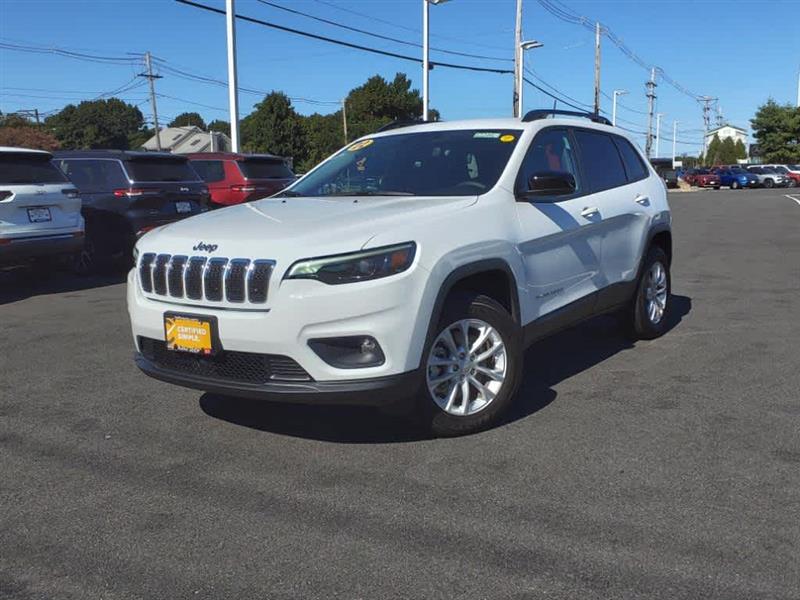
[(355, 266)]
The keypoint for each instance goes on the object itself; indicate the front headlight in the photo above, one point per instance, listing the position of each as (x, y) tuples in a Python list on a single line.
[(355, 266)]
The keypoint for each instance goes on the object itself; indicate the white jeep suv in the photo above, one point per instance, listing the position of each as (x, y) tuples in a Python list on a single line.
[(414, 264)]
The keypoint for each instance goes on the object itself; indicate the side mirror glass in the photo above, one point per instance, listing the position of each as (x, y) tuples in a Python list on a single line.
[(551, 183)]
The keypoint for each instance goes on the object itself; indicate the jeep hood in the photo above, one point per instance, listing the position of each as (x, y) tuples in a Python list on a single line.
[(293, 228)]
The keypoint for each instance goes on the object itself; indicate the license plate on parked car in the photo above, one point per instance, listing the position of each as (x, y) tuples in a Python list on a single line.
[(183, 207), (190, 333), (39, 215)]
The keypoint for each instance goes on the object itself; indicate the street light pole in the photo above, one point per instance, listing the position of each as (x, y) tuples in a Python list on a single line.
[(658, 132), (233, 88), (674, 141), (529, 45), (426, 54), (517, 111), (597, 69), (614, 105)]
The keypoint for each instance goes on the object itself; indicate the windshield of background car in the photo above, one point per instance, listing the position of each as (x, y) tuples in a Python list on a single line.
[(464, 162), (703, 172), (21, 169), (265, 169), (161, 170)]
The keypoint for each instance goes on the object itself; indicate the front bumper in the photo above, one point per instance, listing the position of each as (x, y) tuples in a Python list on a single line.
[(17, 250), (377, 391)]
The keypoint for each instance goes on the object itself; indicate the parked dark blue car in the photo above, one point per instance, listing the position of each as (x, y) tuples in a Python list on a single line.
[(735, 177)]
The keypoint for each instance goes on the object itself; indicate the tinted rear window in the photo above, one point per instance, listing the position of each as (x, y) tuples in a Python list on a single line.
[(20, 170), (209, 170), (93, 175), (265, 169), (634, 165), (601, 161), (160, 170)]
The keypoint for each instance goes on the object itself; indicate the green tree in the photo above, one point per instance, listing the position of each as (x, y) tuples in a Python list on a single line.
[(96, 124), (188, 119), (713, 151), (221, 126), (776, 129), (378, 102), (136, 140), (274, 126), (727, 151), (741, 150), (324, 135), (15, 120)]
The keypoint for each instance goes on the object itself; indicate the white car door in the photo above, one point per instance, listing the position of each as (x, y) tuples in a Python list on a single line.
[(624, 193), (559, 234)]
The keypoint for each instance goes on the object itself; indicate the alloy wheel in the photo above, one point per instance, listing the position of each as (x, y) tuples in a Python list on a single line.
[(467, 367), (656, 293)]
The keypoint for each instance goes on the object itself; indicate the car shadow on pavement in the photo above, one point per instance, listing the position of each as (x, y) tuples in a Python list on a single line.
[(23, 282), (547, 363)]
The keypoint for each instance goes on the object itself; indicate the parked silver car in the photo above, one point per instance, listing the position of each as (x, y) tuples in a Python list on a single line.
[(769, 177)]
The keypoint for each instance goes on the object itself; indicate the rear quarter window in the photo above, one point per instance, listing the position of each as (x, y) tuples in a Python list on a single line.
[(265, 169), (146, 170), (19, 169), (634, 165), (209, 170), (600, 160)]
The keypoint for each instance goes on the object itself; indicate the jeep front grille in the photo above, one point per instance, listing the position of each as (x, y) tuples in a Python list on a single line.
[(200, 278)]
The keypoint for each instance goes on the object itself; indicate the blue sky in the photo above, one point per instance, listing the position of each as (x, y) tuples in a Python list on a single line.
[(720, 49)]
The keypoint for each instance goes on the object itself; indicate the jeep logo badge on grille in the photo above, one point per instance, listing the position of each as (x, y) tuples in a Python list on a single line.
[(203, 247)]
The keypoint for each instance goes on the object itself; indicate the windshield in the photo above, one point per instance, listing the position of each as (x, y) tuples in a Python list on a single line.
[(436, 163), (738, 170), (703, 172), (161, 170), (265, 169)]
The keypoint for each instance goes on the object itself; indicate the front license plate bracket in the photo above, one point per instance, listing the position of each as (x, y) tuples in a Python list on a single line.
[(194, 334)]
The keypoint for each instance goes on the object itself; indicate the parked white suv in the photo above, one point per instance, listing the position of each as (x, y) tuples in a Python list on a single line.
[(414, 263), (40, 210)]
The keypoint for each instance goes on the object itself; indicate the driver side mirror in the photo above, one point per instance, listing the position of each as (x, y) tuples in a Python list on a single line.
[(551, 183)]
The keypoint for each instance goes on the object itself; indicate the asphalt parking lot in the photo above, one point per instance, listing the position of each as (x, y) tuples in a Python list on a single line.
[(663, 469)]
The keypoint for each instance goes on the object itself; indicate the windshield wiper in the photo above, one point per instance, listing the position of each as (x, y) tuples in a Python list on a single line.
[(369, 193)]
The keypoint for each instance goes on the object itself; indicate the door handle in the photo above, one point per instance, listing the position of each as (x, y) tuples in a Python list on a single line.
[(590, 211), (643, 200)]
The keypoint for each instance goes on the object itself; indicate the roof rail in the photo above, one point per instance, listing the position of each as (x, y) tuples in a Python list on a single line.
[(398, 123), (543, 113)]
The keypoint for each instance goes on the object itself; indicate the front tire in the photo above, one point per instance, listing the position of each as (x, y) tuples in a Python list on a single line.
[(735, 185), (650, 309), (472, 366), (769, 184)]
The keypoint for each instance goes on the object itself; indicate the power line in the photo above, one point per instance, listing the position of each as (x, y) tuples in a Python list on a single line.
[(378, 35), (343, 43), (114, 60)]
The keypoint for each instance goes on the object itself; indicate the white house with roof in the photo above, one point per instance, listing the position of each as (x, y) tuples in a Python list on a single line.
[(188, 139), (726, 131)]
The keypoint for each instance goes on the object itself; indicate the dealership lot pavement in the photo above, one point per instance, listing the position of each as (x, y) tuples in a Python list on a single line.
[(663, 469)]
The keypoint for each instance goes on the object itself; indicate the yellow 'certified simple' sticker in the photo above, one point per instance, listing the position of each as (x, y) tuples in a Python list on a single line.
[(507, 138), (360, 145)]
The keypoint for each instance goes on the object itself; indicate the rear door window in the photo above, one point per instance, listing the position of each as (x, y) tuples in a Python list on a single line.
[(209, 170), (634, 165), (265, 169), (600, 160), (149, 169), (26, 169)]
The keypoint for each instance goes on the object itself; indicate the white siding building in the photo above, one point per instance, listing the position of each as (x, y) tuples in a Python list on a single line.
[(726, 131), (185, 140)]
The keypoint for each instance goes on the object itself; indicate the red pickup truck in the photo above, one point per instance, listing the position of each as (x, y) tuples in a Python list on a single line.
[(235, 178)]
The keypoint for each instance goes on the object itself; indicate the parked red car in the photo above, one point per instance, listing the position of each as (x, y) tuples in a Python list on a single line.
[(702, 178), (235, 178)]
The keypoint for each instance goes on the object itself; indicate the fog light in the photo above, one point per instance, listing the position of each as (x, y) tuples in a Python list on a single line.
[(352, 352)]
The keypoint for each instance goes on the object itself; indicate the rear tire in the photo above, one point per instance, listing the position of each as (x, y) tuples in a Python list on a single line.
[(649, 311), (735, 185), (462, 392)]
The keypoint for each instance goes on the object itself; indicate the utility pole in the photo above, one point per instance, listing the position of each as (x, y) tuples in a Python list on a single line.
[(706, 100), (658, 133), (233, 86), (597, 69), (674, 141), (36, 114), (518, 60), (651, 100), (344, 119), (149, 75)]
